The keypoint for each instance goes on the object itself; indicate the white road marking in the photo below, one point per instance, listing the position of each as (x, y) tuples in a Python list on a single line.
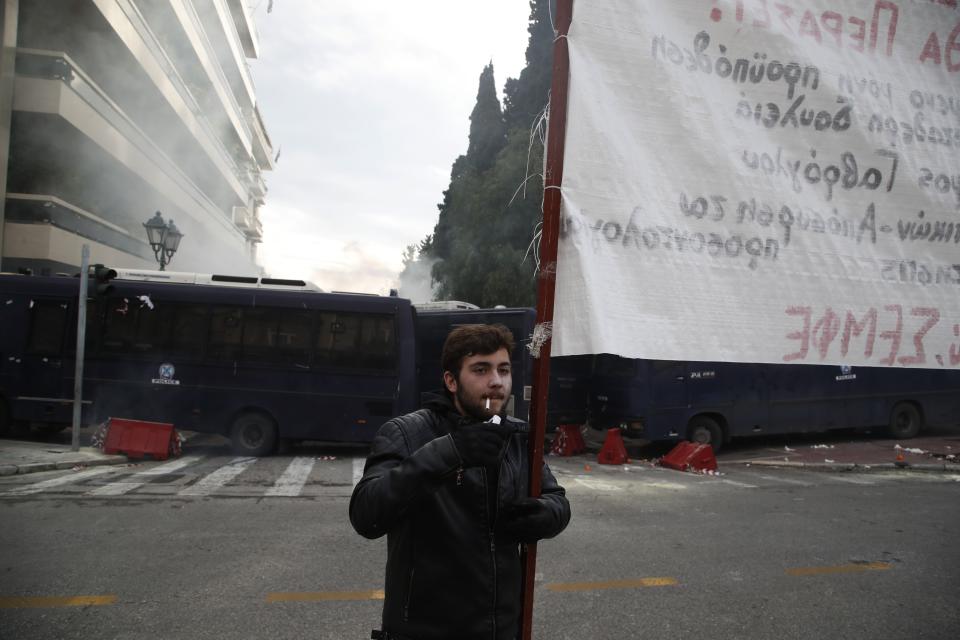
[(139, 479), (37, 487), (853, 480), (799, 483), (358, 464), (743, 485), (667, 485), (597, 485), (208, 484), (293, 478)]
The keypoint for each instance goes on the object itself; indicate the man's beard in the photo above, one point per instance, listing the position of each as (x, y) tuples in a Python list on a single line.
[(477, 408)]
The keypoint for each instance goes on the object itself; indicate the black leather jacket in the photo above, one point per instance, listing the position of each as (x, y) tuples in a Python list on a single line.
[(447, 576)]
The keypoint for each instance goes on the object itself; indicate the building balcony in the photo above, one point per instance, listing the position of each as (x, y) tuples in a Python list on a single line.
[(245, 27), (233, 59), (51, 229), (241, 217), (70, 140), (193, 26), (255, 234), (258, 187), (248, 223), (262, 147)]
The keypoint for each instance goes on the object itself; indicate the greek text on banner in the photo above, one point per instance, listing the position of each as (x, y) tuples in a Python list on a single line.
[(760, 181)]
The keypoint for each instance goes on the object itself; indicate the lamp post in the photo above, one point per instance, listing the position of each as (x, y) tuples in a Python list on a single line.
[(164, 238)]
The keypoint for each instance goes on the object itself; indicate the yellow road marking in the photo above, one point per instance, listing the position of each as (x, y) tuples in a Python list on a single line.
[(612, 584), (38, 602), (843, 568), (325, 596)]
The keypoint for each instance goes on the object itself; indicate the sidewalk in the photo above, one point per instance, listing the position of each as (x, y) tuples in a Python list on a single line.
[(925, 453), (937, 450), (23, 456)]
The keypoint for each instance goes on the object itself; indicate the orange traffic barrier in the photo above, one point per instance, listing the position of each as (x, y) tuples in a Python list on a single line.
[(613, 451), (690, 456), (137, 438)]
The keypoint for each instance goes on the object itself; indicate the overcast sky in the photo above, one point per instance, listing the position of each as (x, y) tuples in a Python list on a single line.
[(368, 103)]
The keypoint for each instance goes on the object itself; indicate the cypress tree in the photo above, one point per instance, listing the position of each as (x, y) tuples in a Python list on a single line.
[(488, 132), (525, 97)]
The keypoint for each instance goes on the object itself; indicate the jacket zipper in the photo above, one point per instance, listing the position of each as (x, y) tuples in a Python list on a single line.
[(493, 553), (406, 605)]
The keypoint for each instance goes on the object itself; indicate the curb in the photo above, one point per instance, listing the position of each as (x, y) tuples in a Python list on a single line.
[(36, 467), (852, 466)]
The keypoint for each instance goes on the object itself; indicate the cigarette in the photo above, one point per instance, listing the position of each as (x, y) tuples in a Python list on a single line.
[(488, 403)]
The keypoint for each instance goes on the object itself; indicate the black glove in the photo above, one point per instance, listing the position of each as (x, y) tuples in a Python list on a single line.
[(526, 520), (481, 444)]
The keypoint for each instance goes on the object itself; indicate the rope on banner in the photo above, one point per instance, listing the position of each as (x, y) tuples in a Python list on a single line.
[(534, 246), (537, 133)]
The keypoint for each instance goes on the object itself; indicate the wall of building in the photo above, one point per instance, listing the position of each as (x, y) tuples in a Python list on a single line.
[(121, 108), (8, 46)]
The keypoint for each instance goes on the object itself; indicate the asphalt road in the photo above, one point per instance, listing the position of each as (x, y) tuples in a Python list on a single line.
[(231, 548)]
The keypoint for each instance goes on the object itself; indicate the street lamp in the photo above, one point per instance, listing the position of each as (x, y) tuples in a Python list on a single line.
[(164, 238)]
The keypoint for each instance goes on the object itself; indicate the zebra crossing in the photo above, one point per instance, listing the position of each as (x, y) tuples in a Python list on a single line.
[(120, 488), (299, 476)]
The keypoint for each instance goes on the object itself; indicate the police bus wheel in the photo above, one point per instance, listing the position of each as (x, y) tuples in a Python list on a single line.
[(704, 430), (905, 421), (253, 434)]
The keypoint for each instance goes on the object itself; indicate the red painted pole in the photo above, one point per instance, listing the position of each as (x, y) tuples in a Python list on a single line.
[(546, 283)]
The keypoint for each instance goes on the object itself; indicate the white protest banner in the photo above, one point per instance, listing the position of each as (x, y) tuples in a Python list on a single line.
[(762, 181)]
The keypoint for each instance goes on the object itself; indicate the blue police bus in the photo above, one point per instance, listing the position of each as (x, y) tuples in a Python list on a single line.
[(712, 402), (259, 360), (254, 359)]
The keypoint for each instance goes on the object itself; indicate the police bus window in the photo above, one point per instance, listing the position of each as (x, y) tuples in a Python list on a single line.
[(277, 336), (355, 341), (132, 327), (226, 331), (188, 330), (47, 324), (260, 335), (119, 326), (293, 336), (377, 345)]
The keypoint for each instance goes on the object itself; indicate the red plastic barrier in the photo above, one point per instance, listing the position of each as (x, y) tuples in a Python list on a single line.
[(690, 456), (569, 441), (613, 451), (137, 438)]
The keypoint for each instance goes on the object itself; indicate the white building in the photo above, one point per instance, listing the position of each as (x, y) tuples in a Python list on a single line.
[(111, 110)]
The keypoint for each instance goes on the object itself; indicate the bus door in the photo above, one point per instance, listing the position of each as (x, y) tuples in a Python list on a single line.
[(669, 388), (806, 398)]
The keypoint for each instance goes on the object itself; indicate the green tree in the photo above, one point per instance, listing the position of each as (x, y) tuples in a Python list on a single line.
[(526, 96), (488, 131), (480, 247)]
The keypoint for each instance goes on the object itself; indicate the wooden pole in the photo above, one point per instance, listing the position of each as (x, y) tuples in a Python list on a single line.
[(546, 283)]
